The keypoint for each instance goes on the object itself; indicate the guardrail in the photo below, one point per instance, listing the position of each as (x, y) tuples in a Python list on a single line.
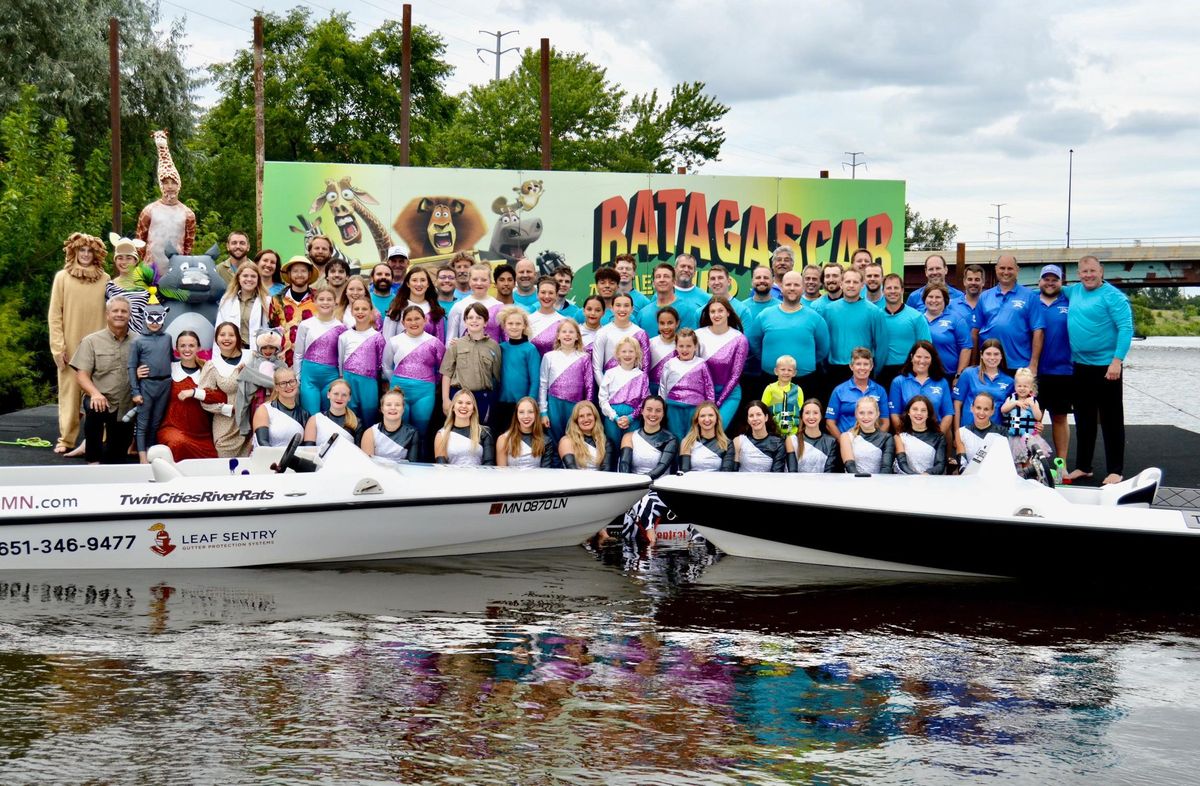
[(1086, 242)]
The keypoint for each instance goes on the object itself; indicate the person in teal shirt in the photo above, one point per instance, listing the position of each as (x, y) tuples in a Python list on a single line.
[(520, 366), (663, 280), (685, 283), (853, 322), (790, 328), (1100, 329), (903, 327)]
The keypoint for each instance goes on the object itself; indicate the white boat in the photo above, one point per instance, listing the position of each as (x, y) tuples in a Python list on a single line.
[(219, 513), (988, 521)]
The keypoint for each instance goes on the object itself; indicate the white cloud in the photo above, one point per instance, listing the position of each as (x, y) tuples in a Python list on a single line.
[(970, 102)]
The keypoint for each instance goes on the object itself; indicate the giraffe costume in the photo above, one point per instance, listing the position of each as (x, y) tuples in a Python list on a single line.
[(166, 220)]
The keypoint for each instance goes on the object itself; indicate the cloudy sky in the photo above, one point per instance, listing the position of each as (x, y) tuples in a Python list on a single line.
[(972, 103)]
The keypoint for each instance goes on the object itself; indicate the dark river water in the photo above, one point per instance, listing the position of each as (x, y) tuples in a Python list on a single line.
[(567, 666)]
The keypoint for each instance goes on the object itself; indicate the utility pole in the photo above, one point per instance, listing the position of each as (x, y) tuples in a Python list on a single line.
[(1070, 173), (114, 116), (405, 81), (260, 155), (853, 163), (497, 51), (545, 102), (998, 218)]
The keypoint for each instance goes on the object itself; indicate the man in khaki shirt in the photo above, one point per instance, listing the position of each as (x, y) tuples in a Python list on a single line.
[(101, 367)]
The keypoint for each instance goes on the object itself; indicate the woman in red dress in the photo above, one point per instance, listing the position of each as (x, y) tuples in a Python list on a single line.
[(187, 428)]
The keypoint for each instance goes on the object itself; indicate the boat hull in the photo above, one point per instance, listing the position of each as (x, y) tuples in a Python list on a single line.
[(767, 527), (351, 509)]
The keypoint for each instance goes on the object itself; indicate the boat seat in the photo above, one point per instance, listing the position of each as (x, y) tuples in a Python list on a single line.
[(162, 464), (1139, 490)]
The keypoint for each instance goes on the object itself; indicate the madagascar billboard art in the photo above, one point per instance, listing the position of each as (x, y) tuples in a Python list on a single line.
[(580, 219)]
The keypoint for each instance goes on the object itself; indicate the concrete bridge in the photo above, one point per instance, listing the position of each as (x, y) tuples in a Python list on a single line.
[(1128, 263)]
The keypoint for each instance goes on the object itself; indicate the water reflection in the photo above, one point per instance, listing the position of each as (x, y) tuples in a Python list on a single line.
[(565, 666)]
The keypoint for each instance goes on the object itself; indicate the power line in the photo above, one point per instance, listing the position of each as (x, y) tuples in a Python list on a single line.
[(853, 163), (999, 235), (185, 9), (498, 52)]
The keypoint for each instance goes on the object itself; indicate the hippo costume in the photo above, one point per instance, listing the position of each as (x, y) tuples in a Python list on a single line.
[(152, 349), (196, 287)]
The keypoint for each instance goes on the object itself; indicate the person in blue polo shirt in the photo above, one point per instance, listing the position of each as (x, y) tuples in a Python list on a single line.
[(1007, 312), (790, 328), (923, 375), (1100, 322), (902, 326), (935, 273), (853, 322), (1054, 367), (987, 377), (839, 414), (950, 331)]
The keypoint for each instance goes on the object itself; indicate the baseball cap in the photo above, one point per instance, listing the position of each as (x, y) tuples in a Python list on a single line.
[(1051, 270), (398, 251)]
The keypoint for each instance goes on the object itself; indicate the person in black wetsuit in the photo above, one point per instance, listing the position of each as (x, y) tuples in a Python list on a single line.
[(815, 450), (920, 450), (760, 448), (705, 448), (463, 441), (584, 446), (971, 436), (866, 448), (391, 438), (650, 450), (526, 443)]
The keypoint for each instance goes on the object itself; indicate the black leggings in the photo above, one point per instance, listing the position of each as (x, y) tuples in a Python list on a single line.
[(1098, 400), (111, 450)]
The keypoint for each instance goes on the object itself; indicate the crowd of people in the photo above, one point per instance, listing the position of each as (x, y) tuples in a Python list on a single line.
[(817, 369)]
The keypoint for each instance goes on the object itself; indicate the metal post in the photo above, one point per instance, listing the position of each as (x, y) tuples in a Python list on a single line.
[(405, 83), (960, 262), (545, 103), (114, 116), (260, 153), (1070, 177)]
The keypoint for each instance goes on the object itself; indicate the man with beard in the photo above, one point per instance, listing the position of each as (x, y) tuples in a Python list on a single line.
[(761, 283), (873, 283), (783, 260), (685, 282), (295, 303), (320, 251), (1054, 377), (526, 281), (447, 288), (462, 263), (860, 259), (381, 287), (935, 273), (968, 305), (397, 260), (831, 280), (237, 244)]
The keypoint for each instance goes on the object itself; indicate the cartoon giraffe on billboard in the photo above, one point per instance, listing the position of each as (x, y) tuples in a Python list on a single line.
[(346, 201)]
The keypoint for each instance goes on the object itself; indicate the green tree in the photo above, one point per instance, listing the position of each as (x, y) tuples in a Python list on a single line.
[(595, 124), (61, 47), (38, 184), (933, 234), (1163, 297), (327, 97)]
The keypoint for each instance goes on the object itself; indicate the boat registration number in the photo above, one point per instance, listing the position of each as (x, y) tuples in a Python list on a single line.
[(17, 548)]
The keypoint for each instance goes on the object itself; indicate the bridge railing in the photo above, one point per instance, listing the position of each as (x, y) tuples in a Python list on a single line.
[(1086, 242)]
